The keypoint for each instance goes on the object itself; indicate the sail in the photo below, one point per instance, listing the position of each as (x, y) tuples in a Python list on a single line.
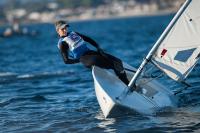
[(179, 51)]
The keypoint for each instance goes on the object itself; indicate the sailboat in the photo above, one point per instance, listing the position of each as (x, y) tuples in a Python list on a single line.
[(176, 53)]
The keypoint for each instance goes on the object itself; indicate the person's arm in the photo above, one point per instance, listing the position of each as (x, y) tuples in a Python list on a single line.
[(64, 52), (89, 40)]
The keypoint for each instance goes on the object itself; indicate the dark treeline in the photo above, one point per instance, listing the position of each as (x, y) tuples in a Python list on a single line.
[(81, 3)]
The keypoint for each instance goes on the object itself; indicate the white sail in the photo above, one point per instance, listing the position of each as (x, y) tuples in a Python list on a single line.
[(180, 49)]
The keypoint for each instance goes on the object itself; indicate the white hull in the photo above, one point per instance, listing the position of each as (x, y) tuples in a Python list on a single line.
[(111, 94)]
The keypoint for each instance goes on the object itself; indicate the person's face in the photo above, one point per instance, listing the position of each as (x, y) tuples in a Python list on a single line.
[(63, 31)]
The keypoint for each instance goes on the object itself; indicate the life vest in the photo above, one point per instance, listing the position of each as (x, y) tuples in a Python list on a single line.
[(77, 45)]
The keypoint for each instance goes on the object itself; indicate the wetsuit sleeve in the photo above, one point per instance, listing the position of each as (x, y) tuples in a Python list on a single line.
[(64, 52), (89, 40)]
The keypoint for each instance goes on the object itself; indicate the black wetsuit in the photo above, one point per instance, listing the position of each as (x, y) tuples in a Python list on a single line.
[(97, 58)]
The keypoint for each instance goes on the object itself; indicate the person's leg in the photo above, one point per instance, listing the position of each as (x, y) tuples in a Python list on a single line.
[(118, 68), (105, 61)]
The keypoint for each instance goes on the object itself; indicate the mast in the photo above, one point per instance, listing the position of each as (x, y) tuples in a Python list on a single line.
[(157, 44)]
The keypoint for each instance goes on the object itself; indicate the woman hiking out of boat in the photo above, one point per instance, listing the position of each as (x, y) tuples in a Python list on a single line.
[(73, 48)]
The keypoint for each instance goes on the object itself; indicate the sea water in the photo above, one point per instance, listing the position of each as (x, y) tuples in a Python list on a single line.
[(39, 93)]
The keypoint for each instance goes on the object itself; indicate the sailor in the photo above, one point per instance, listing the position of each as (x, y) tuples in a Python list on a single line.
[(74, 49)]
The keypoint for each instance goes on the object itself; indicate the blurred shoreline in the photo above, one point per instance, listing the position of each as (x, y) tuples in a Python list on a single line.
[(90, 18), (149, 14)]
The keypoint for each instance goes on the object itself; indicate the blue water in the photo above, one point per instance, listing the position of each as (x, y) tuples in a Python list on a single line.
[(39, 93)]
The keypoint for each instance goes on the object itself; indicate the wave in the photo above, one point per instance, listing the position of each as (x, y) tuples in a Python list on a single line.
[(8, 77), (7, 74), (44, 75), (36, 98)]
